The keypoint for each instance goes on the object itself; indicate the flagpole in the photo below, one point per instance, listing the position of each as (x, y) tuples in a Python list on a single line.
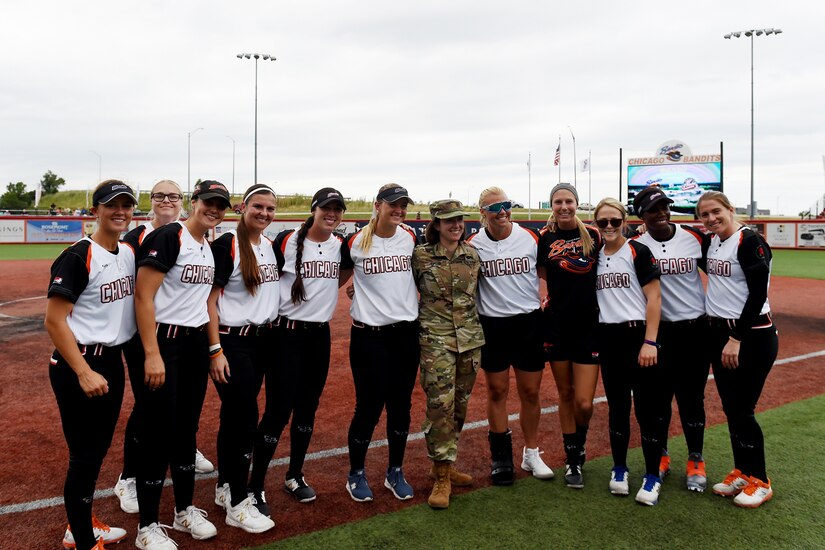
[(575, 166), (529, 192), (589, 179), (558, 150)]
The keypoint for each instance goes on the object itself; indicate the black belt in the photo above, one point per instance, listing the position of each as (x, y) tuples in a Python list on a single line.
[(292, 324), (625, 324), (173, 331), (98, 349), (686, 322), (399, 324), (762, 321), (248, 330)]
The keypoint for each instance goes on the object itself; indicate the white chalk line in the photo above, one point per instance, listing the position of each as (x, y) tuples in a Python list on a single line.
[(21, 300), (331, 453)]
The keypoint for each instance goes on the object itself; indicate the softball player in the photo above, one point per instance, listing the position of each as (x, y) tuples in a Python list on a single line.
[(166, 206), (384, 347), (446, 271), (628, 290), (569, 251), (744, 341), (243, 305), (316, 263), (89, 316), (509, 309), (176, 271), (683, 332)]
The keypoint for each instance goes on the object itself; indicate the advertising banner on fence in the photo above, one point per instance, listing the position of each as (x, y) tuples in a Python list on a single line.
[(811, 235), (12, 231), (782, 235), (54, 231)]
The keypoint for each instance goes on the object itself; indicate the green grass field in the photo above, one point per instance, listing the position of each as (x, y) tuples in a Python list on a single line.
[(807, 264), (545, 514)]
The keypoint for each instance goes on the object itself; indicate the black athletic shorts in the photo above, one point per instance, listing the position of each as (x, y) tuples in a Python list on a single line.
[(570, 339), (515, 341)]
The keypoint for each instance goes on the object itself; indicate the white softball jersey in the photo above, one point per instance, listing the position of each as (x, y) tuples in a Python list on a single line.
[(321, 264), (189, 269), (385, 291), (727, 287), (101, 285), (683, 296), (619, 281), (509, 284), (236, 306)]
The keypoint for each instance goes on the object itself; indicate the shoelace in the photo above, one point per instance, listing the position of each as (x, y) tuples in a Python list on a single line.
[(196, 515), (754, 485), (158, 534), (97, 524)]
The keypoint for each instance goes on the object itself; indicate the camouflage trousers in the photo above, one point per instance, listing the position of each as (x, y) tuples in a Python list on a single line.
[(447, 378)]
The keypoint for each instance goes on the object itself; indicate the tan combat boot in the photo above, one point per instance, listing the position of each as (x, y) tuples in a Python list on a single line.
[(457, 479), (440, 497)]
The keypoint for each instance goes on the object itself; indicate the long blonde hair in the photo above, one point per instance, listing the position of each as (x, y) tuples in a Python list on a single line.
[(483, 198), (588, 247), (369, 229)]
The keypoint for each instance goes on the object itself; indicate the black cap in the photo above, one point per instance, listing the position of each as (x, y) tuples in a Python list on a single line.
[(325, 196), (210, 189), (111, 189), (393, 194), (647, 197)]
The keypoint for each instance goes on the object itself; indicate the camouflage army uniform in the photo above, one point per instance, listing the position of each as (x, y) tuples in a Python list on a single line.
[(451, 338)]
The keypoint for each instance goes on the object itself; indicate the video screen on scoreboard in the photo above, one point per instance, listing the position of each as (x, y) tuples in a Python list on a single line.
[(684, 183)]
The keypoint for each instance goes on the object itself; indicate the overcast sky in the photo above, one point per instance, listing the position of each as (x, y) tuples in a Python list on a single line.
[(440, 96)]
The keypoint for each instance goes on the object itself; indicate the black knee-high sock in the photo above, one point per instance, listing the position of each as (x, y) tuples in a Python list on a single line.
[(261, 456), (397, 447), (299, 442), (183, 484), (78, 493), (571, 447), (357, 452), (581, 437)]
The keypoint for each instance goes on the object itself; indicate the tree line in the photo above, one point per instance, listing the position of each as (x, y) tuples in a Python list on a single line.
[(17, 198)]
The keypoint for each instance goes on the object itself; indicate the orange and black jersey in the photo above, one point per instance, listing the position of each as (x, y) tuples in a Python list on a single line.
[(571, 274)]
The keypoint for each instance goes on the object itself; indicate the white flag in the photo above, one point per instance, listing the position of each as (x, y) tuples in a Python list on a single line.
[(585, 165), (37, 194)]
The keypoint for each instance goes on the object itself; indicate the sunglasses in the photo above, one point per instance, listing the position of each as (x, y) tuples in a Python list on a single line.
[(497, 207), (160, 197), (613, 222)]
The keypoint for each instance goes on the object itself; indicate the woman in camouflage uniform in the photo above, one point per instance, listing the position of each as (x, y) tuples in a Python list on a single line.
[(446, 272)]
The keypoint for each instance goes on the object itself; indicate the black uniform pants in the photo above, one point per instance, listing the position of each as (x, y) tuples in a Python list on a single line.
[(625, 381), (740, 389), (384, 363), (247, 356), (88, 426), (168, 419), (686, 365), (294, 384)]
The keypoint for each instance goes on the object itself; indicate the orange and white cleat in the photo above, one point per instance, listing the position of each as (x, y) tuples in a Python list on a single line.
[(103, 533), (734, 484), (755, 494), (697, 478), (664, 464)]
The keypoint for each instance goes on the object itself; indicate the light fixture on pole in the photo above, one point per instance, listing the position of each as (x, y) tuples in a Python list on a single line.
[(750, 34), (256, 56), (99, 174), (233, 163), (189, 160)]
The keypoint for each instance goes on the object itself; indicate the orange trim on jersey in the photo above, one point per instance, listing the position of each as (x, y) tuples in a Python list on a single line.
[(741, 237), (351, 239), (89, 259), (130, 246), (471, 237), (693, 231), (232, 250), (283, 244), (632, 251), (410, 230), (142, 235), (532, 234)]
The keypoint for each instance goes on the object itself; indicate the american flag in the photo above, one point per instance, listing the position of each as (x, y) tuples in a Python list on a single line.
[(558, 156)]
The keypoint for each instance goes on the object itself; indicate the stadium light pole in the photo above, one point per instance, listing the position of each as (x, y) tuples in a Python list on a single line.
[(256, 56), (575, 168), (750, 34), (189, 160), (99, 174), (233, 163)]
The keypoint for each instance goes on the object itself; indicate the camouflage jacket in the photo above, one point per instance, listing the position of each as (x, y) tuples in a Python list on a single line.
[(447, 306)]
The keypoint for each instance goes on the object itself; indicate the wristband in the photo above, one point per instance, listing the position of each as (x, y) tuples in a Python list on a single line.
[(654, 344), (214, 347), (731, 338), (215, 354)]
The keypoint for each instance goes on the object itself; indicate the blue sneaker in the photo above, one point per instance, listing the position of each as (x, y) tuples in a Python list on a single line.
[(396, 483), (358, 487), (618, 481), (649, 492)]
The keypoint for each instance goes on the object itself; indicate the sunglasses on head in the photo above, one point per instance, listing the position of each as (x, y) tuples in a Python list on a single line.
[(497, 207), (613, 222)]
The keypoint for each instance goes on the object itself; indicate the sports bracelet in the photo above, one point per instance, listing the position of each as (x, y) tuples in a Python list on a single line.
[(656, 345), (215, 354), (214, 347)]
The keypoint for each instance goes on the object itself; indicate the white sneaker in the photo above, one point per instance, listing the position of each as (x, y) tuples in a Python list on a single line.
[(734, 484), (247, 517), (755, 494), (154, 537), (532, 462), (110, 535), (193, 521), (618, 481), (202, 464), (223, 497), (126, 491), (649, 491)]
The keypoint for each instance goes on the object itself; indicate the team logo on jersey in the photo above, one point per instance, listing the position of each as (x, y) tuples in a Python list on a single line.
[(760, 252), (505, 266), (612, 280), (153, 253), (58, 280), (721, 268), (575, 264)]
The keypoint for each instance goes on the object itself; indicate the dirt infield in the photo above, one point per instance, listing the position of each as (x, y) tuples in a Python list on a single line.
[(34, 461)]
